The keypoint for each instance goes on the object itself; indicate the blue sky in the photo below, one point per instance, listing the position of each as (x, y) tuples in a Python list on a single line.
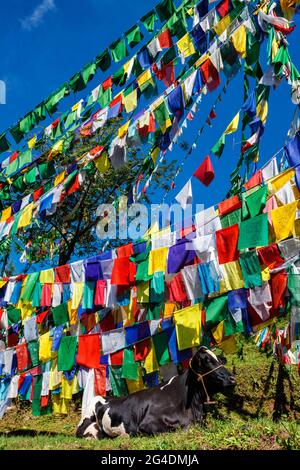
[(44, 42)]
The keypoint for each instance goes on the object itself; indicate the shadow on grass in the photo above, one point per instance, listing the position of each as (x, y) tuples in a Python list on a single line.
[(31, 433)]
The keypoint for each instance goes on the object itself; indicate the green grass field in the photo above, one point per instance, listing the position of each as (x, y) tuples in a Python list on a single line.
[(263, 414)]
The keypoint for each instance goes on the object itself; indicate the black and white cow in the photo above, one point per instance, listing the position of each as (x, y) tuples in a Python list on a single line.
[(163, 408)]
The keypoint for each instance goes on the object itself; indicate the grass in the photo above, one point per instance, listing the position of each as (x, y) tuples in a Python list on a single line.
[(263, 414)]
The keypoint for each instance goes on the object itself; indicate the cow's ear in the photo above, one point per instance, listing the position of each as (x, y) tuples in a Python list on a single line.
[(222, 359)]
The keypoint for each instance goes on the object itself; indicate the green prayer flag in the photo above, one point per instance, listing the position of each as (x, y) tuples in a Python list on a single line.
[(88, 72), (37, 391), (134, 36), (55, 98), (25, 158), (118, 49), (256, 201), (60, 314), (66, 353), (30, 176), (282, 58), (36, 295), (232, 218), (294, 288), (4, 144), (40, 112), (31, 280), (27, 123), (130, 369), (104, 97), (142, 261), (219, 146), (33, 347), (253, 232), (157, 288), (88, 295), (77, 82), (149, 20), (177, 25), (250, 269), (103, 61), (118, 384), (215, 311), (165, 9), (231, 327), (161, 114), (70, 119), (119, 77), (160, 342), (252, 49), (46, 170), (14, 228), (12, 167), (154, 311), (13, 315)]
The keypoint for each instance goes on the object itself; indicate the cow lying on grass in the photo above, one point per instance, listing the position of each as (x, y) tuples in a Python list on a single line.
[(163, 408)]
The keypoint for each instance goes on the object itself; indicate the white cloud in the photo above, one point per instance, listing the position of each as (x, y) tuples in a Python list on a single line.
[(37, 16)]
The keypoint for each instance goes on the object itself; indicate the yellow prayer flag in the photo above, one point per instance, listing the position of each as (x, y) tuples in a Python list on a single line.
[(188, 327), (169, 310), (59, 178), (274, 48), (144, 79), (61, 406), (130, 101), (102, 163), (73, 315), (280, 180), (66, 388), (154, 154), (26, 216), (262, 111), (185, 46), (150, 363), (265, 274), (232, 274), (45, 347), (239, 39), (288, 8), (2, 283), (222, 25), (31, 142), (6, 213), (143, 292), (218, 332), (57, 147), (123, 129), (283, 219), (47, 276), (76, 105), (55, 375), (151, 231), (232, 127), (157, 260), (77, 294), (135, 385)]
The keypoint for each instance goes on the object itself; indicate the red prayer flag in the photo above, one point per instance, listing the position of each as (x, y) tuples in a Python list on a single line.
[(116, 358), (210, 75), (165, 39), (107, 83), (89, 351), (125, 250), (63, 273), (270, 256), (46, 300), (229, 205), (23, 360), (141, 350), (176, 289), (99, 298), (100, 381), (255, 180), (227, 242), (13, 157), (205, 173), (223, 8), (38, 193)]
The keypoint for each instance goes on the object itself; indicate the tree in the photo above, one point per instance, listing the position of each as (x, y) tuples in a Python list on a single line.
[(70, 231)]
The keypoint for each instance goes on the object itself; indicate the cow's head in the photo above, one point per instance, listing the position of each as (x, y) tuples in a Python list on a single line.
[(210, 369)]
